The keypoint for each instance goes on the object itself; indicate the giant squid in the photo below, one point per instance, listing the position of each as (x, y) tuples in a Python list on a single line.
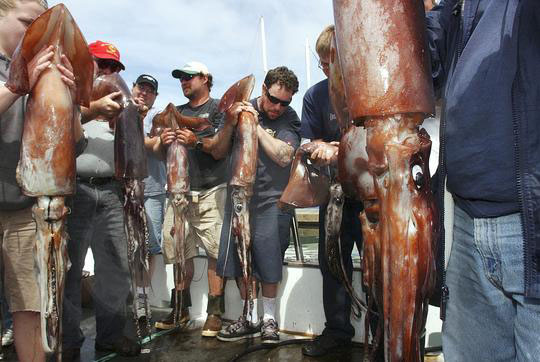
[(381, 89), (244, 171), (46, 168), (130, 169), (178, 186)]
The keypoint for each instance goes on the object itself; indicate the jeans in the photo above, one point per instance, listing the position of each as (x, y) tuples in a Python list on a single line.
[(488, 318), (155, 207), (97, 220), (336, 299)]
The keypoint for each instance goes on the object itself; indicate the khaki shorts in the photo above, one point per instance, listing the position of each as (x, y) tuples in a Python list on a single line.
[(18, 236), (203, 224)]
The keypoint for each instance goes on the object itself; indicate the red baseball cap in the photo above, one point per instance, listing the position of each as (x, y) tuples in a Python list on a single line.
[(103, 50)]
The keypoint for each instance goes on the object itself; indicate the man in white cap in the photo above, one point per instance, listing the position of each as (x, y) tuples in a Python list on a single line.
[(207, 196)]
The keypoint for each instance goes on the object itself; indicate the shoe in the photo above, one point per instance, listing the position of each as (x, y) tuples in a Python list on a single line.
[(212, 326), (123, 346), (7, 338), (270, 332), (323, 345), (241, 329), (168, 322), (71, 355), (141, 303)]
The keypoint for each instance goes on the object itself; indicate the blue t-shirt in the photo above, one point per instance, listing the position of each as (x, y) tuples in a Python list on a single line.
[(271, 178), (318, 119), (155, 183)]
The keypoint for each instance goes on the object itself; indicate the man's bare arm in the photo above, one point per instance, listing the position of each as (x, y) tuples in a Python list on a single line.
[(279, 151)]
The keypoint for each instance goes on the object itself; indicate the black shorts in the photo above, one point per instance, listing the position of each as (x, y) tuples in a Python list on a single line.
[(270, 235)]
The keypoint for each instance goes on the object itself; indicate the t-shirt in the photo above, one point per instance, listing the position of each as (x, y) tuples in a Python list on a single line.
[(205, 171), (11, 129), (271, 178), (155, 183), (97, 160), (318, 118)]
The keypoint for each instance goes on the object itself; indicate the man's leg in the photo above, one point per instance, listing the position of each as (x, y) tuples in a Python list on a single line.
[(480, 315), (338, 330), (27, 333)]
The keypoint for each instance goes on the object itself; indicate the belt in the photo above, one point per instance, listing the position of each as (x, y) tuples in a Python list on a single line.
[(96, 181)]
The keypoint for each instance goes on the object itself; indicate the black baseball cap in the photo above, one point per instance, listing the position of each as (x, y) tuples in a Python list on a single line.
[(145, 78)]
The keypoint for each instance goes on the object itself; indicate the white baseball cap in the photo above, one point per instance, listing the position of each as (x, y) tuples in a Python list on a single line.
[(191, 68)]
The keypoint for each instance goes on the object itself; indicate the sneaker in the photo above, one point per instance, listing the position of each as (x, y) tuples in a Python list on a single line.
[(270, 332), (241, 329), (212, 326), (123, 346), (141, 311), (324, 344), (168, 322), (7, 338)]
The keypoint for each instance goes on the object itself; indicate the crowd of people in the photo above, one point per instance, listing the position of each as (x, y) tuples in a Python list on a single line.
[(484, 64)]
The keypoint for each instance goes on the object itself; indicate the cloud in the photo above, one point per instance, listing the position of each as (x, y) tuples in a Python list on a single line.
[(157, 36)]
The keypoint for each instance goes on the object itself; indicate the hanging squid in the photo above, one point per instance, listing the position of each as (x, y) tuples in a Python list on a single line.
[(381, 88), (46, 168), (244, 170), (178, 186), (130, 169)]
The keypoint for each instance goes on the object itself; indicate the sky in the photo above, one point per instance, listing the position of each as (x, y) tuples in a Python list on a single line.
[(157, 36)]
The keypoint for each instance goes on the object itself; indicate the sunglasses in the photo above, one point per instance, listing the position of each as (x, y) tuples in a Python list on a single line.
[(108, 63), (323, 65), (275, 100), (187, 77)]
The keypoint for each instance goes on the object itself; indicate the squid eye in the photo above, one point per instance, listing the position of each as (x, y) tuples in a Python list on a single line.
[(418, 176), (238, 208)]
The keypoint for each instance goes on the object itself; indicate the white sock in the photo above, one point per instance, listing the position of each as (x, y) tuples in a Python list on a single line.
[(140, 290), (269, 307), (254, 313)]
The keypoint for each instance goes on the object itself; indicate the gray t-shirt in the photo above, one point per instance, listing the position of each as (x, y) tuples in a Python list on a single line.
[(11, 128), (97, 160), (155, 183)]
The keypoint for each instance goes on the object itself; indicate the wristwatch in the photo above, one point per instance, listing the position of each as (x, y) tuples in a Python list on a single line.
[(199, 144)]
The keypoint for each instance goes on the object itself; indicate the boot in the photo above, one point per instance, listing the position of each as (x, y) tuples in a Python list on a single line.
[(215, 308), (183, 319)]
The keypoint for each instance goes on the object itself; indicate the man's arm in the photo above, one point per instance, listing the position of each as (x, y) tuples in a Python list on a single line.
[(279, 151), (106, 107), (326, 153)]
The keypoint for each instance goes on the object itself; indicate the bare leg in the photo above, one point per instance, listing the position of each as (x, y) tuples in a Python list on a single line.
[(215, 282), (269, 290), (188, 276), (27, 334)]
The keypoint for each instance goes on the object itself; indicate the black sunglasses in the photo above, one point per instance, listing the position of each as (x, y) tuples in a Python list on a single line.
[(275, 100), (108, 63), (187, 77)]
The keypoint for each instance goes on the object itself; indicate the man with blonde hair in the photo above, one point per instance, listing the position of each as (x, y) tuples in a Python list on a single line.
[(319, 124), (17, 226)]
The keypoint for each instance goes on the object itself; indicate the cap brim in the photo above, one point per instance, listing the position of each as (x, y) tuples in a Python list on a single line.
[(177, 73), (106, 56), (147, 82)]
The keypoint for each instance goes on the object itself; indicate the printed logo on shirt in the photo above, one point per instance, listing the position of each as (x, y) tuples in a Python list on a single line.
[(333, 117), (204, 115)]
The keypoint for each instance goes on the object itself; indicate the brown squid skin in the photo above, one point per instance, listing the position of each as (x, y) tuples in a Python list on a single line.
[(46, 167), (383, 159), (244, 171), (308, 184)]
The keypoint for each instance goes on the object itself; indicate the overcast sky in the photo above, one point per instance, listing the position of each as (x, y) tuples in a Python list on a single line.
[(158, 36)]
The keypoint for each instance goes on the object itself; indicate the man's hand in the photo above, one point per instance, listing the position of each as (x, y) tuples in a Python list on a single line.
[(235, 110), (38, 64), (186, 137), (325, 154), (143, 108), (107, 106), (167, 136)]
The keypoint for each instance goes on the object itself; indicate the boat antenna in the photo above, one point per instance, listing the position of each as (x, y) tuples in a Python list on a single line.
[(263, 43)]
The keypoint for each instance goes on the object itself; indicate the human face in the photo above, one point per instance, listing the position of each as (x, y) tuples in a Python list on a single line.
[(324, 64), (106, 66), (192, 86), (278, 93), (14, 24), (144, 93)]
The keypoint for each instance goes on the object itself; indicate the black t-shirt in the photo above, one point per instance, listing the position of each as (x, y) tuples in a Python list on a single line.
[(204, 171), (271, 178), (318, 119)]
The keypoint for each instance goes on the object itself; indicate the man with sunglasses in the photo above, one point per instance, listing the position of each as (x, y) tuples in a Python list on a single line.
[(278, 135), (208, 182), (97, 220)]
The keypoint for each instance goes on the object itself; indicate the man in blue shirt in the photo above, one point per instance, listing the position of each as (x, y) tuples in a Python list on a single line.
[(486, 67), (319, 123)]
